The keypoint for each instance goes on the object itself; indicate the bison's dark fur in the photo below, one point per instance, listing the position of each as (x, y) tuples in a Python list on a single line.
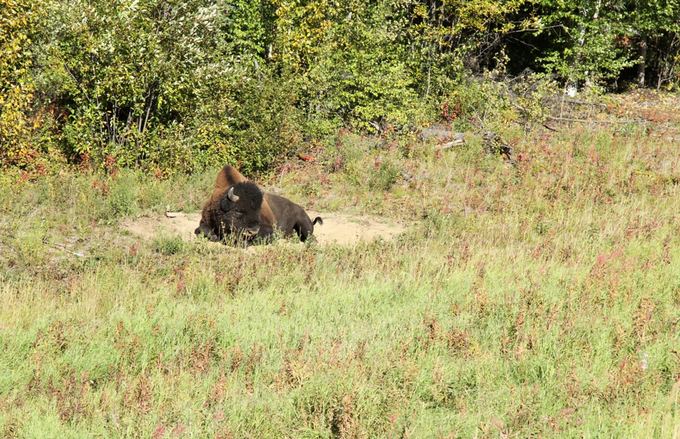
[(291, 217), (250, 213)]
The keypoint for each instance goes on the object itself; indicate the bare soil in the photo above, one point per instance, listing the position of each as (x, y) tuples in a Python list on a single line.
[(337, 228)]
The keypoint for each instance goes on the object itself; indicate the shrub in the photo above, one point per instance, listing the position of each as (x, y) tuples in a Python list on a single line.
[(18, 20), (177, 86), (168, 245), (123, 195)]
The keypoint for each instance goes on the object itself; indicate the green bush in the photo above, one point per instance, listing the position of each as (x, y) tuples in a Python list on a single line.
[(383, 175), (247, 119), (123, 196), (18, 22), (168, 245), (164, 85), (174, 86)]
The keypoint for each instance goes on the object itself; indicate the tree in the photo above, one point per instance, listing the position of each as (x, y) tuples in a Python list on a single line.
[(18, 20), (655, 28)]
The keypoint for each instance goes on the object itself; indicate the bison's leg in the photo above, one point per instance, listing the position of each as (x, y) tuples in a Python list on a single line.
[(302, 230), (265, 234)]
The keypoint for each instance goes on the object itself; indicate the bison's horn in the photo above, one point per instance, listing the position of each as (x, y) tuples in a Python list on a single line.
[(233, 197)]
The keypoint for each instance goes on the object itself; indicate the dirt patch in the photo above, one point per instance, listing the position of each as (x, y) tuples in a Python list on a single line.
[(348, 229), (337, 227), (149, 227)]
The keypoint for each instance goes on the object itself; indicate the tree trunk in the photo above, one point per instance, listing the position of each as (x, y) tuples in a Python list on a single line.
[(572, 83), (643, 62)]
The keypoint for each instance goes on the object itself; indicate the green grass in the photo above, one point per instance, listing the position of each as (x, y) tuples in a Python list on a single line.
[(540, 301)]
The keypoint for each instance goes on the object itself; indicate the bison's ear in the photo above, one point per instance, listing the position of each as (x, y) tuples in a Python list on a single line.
[(225, 204)]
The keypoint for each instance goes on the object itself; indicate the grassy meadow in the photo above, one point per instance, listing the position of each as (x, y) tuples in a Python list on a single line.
[(541, 300)]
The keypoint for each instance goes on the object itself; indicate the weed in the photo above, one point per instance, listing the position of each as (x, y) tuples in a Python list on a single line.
[(168, 245), (383, 175), (123, 195)]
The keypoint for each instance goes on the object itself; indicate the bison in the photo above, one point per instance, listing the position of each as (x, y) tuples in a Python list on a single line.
[(237, 207)]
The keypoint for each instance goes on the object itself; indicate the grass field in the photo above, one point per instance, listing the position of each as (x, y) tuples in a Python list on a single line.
[(541, 300)]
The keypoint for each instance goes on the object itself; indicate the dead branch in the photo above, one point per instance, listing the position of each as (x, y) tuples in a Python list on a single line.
[(570, 119)]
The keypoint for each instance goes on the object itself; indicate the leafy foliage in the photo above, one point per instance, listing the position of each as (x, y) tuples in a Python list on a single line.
[(174, 86), (137, 76), (18, 19)]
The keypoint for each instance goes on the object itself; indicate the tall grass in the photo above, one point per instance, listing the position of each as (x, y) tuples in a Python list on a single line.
[(540, 300)]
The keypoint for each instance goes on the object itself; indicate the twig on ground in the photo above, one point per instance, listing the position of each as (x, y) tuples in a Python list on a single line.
[(570, 119), (64, 249)]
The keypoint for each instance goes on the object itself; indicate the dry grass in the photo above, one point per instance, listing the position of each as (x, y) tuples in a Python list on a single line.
[(540, 300)]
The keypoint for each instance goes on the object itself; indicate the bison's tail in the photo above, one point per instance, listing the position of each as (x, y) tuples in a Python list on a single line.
[(317, 220)]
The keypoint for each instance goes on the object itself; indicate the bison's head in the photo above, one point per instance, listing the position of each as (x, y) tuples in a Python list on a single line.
[(239, 210)]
